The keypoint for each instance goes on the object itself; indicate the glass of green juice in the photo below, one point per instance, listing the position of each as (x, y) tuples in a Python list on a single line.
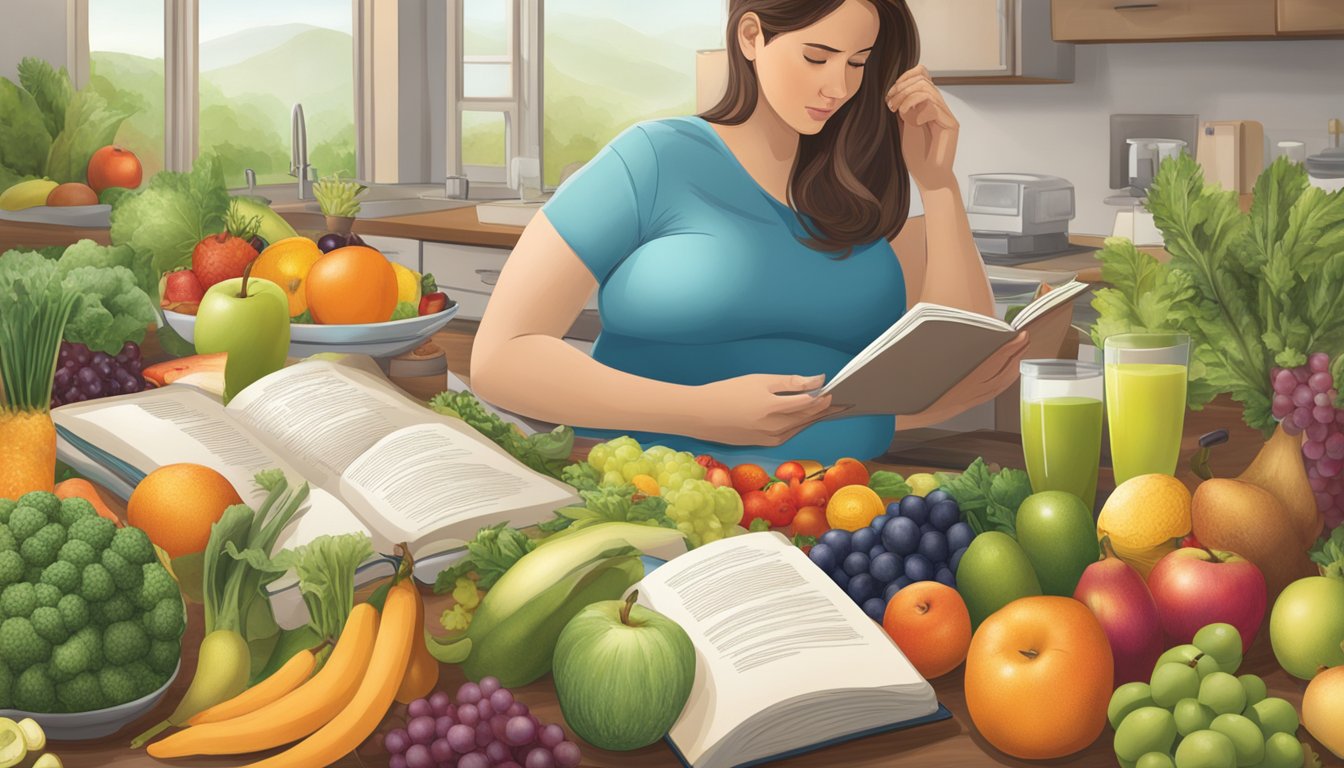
[(1061, 425), (1145, 401)]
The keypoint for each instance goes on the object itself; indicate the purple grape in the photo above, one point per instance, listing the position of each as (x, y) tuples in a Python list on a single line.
[(330, 242), (467, 714), (498, 723), (1302, 397), (421, 729), (440, 702), (539, 757), (550, 736), (419, 708), (462, 738), (483, 734), (498, 752), (1319, 382), (489, 684), (1329, 467), (473, 760), (1334, 446), (356, 240), (93, 388), (1284, 382), (485, 709), (61, 380), (1301, 418), (519, 731), (1314, 451), (1317, 431), (81, 354), (1318, 362), (501, 700), (418, 756), (508, 764), (396, 761), (1323, 414), (72, 395), (113, 387), (397, 741), (441, 751), (469, 693), (567, 755), (516, 708), (87, 376), (442, 724)]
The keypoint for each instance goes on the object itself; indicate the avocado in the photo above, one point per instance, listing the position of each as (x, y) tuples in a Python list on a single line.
[(992, 573)]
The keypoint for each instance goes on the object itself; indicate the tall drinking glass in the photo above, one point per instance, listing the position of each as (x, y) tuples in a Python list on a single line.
[(1061, 425), (1145, 401)]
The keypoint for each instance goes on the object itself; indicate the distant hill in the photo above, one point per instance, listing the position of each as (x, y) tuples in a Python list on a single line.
[(240, 46)]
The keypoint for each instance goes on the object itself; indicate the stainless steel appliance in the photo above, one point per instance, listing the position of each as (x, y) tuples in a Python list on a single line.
[(1015, 214)]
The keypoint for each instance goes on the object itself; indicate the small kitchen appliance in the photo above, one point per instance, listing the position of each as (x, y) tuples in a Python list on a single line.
[(1145, 158), (1326, 170), (1020, 214), (1232, 153)]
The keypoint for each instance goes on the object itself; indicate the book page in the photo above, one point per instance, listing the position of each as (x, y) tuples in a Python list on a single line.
[(1048, 302), (769, 628), (432, 482)]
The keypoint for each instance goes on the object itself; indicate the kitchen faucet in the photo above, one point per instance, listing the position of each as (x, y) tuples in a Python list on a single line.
[(298, 151)]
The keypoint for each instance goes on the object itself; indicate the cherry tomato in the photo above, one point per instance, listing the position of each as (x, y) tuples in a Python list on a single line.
[(810, 521)]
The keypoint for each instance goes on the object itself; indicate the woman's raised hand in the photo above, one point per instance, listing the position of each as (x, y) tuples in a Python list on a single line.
[(749, 410), (928, 129)]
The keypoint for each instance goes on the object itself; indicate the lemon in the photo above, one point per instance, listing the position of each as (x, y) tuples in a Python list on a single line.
[(1144, 518), (853, 507), (921, 483), (408, 284)]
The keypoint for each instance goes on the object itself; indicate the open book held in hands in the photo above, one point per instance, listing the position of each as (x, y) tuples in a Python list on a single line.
[(927, 352), (785, 662)]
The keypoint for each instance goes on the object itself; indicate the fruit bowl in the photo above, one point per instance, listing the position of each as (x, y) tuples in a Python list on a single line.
[(83, 726), (95, 216), (387, 339)]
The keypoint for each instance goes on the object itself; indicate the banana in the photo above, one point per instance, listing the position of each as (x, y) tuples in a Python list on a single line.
[(273, 227), (26, 194)]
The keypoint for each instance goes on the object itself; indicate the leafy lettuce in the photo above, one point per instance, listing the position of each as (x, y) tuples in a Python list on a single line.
[(90, 124), (51, 89), (988, 499), (24, 140), (172, 214), (326, 570)]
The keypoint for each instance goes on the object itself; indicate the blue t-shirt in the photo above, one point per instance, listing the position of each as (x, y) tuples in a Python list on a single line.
[(702, 276)]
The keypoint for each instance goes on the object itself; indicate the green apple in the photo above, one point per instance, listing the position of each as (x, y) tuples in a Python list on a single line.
[(1306, 626), (622, 674), (1056, 530), (993, 572), (247, 318)]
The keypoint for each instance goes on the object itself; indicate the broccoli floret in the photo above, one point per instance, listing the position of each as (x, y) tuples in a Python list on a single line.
[(81, 694), (124, 642), (18, 600), (6, 687), (20, 645), (26, 521), (166, 620), (163, 655), (74, 612), (11, 567), (46, 503), (71, 658), (98, 585), (41, 548), (91, 638), (118, 607), (117, 684), (155, 585), (95, 531), (74, 508), (34, 691), (146, 679), (49, 625), (47, 594), (125, 575), (63, 576), (7, 541), (133, 544), (6, 508), (77, 553)]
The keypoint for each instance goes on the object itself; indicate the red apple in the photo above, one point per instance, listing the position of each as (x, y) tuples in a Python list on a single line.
[(709, 462), (1125, 609), (1194, 587), (719, 476), (790, 471)]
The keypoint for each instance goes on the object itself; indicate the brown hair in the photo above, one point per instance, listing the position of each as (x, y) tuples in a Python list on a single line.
[(849, 178)]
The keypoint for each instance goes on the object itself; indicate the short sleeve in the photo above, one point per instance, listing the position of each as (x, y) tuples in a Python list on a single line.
[(602, 211)]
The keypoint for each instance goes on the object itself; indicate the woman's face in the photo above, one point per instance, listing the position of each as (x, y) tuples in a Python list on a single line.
[(807, 74)]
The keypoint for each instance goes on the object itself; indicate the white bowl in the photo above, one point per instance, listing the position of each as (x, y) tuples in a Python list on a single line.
[(83, 726), (94, 216), (373, 339)]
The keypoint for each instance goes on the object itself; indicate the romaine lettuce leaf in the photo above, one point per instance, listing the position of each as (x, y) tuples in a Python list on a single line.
[(112, 311), (172, 214), (51, 89), (90, 125), (24, 140)]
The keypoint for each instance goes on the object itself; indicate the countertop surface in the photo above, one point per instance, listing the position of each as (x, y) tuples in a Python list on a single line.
[(953, 743)]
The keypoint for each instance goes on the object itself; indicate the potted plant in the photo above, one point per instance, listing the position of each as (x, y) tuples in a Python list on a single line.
[(339, 201)]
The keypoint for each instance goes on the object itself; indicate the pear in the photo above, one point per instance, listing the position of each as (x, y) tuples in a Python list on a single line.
[(1246, 519), (1278, 468)]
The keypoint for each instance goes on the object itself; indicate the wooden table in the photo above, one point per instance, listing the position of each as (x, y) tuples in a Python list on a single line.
[(953, 743)]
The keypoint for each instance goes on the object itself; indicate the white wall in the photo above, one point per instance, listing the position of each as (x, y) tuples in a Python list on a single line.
[(31, 28), (1292, 87)]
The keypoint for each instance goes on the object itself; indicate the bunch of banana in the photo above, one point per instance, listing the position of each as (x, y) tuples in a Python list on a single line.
[(513, 634), (26, 194)]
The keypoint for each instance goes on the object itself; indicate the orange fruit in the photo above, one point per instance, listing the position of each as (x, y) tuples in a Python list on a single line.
[(844, 472), (287, 263), (930, 624), (352, 285), (852, 507), (176, 504), (1038, 677), (810, 521), (748, 477)]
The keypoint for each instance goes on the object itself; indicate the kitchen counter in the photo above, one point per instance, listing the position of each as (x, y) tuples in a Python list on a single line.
[(953, 743)]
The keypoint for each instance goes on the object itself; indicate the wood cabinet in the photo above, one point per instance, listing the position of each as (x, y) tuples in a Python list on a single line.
[(990, 41), (1118, 21)]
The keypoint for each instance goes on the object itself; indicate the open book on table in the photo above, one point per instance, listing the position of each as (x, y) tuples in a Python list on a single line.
[(927, 352), (377, 461), (785, 662)]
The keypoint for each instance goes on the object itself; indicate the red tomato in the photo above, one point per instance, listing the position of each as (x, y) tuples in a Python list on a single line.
[(782, 497), (811, 493), (810, 521), (748, 477), (790, 471), (114, 166), (845, 472)]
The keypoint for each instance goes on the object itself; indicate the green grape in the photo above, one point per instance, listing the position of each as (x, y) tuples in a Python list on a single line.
[(1222, 693), (1192, 716), (703, 512), (597, 457), (1255, 688), (641, 466), (1245, 737), (1172, 682), (1186, 654), (1155, 760), (1273, 715), (1126, 699), (1283, 750), (1147, 729), (1223, 643), (1206, 749)]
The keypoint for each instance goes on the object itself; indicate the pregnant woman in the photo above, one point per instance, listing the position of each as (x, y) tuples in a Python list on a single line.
[(743, 256)]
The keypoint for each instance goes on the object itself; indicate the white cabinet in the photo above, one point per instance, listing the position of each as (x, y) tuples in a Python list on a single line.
[(990, 41), (401, 250)]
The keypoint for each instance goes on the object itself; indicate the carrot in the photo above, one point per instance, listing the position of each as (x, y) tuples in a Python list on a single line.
[(362, 714), (422, 673), (27, 452), (285, 679), (294, 715), (79, 488)]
